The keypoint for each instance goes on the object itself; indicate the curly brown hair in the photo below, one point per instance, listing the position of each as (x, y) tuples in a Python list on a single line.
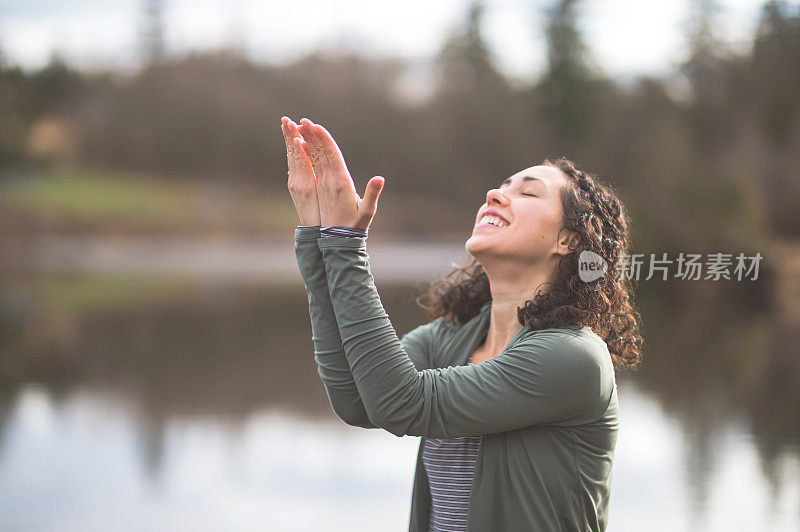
[(593, 211)]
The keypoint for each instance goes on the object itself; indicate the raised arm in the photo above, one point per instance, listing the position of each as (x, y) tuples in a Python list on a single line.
[(332, 365), (329, 355), (553, 376)]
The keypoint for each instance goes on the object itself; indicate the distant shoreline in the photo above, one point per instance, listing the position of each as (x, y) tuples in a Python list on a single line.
[(392, 258)]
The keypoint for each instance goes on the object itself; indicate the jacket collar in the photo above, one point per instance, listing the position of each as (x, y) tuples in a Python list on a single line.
[(475, 330)]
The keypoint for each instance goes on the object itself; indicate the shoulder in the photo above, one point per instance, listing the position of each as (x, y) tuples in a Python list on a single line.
[(577, 365), (578, 350), (580, 342)]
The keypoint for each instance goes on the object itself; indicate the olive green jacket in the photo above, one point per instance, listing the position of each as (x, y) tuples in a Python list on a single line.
[(547, 404)]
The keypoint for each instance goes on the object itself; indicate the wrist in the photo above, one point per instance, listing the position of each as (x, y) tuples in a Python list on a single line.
[(341, 230), (308, 221), (306, 233)]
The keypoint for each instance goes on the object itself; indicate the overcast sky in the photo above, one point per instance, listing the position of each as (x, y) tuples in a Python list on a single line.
[(626, 36)]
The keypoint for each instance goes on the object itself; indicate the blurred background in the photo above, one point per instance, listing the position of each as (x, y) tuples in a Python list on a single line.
[(156, 363)]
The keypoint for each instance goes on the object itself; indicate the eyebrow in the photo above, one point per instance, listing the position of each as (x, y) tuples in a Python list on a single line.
[(525, 178)]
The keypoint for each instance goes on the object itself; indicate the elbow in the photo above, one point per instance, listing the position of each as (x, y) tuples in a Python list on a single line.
[(388, 422), (355, 417), (399, 414), (356, 420)]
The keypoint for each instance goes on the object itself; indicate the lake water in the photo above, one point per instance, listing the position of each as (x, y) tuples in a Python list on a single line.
[(136, 400)]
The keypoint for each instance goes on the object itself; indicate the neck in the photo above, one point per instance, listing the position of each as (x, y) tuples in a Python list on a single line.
[(511, 285)]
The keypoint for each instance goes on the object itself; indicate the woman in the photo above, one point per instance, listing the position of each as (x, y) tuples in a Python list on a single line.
[(511, 387)]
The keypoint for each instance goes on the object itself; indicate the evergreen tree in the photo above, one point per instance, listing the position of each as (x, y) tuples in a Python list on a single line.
[(565, 94)]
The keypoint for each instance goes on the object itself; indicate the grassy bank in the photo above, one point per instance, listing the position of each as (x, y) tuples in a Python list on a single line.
[(68, 199)]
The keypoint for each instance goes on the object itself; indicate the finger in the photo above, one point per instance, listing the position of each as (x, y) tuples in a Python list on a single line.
[(332, 152), (310, 146), (291, 127), (293, 154), (288, 134), (306, 148), (316, 141), (304, 155), (369, 204), (294, 128), (308, 151), (306, 166), (307, 130), (308, 135)]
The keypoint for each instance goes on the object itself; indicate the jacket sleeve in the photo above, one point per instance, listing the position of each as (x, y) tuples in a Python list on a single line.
[(332, 365), (553, 376)]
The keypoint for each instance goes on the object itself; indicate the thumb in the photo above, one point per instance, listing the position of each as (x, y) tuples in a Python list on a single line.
[(372, 193)]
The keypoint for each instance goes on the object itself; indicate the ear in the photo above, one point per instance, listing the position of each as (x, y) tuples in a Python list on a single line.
[(567, 240)]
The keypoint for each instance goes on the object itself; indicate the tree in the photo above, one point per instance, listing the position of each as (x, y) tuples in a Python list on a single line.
[(152, 33), (478, 117), (567, 95)]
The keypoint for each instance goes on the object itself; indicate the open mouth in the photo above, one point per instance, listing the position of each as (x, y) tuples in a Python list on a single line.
[(493, 221)]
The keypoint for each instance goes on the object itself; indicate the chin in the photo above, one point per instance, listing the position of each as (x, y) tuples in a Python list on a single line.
[(475, 244)]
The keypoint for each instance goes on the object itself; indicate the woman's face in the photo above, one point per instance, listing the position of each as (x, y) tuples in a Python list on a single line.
[(528, 205)]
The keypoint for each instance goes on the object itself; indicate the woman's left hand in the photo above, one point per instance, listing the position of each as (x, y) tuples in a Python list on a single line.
[(339, 203)]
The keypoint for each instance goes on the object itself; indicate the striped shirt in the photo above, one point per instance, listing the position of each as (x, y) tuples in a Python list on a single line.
[(450, 466)]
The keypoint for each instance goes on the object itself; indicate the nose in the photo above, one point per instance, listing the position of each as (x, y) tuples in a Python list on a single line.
[(494, 195)]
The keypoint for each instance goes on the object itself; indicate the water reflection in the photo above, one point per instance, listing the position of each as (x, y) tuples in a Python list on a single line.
[(728, 360), (127, 401), (74, 464)]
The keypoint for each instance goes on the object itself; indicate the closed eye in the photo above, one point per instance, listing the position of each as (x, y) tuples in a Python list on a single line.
[(524, 194)]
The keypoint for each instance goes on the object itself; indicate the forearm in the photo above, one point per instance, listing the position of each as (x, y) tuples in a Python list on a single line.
[(382, 371), (332, 365)]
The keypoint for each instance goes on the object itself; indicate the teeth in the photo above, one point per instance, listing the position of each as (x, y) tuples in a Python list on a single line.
[(494, 221)]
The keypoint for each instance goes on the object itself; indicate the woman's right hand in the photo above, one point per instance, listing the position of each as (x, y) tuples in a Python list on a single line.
[(302, 181)]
